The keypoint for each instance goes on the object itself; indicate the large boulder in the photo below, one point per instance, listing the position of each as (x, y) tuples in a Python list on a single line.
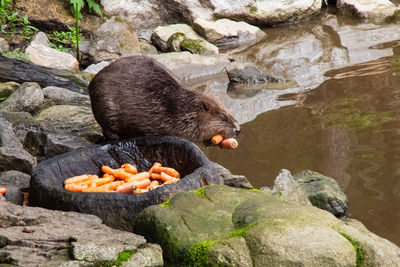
[(68, 119), (228, 33), (61, 96), (264, 12), (114, 39), (7, 135), (32, 236), (323, 192), (4, 46), (377, 11), (6, 89), (42, 54), (225, 226), (16, 159), (188, 66), (178, 37), (15, 178), (27, 98)]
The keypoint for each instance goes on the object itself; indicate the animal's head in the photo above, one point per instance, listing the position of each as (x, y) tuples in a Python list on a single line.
[(214, 119)]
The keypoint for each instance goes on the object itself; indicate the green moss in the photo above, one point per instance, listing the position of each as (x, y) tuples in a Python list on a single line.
[(241, 231), (357, 248), (193, 46), (256, 190), (165, 204), (200, 192), (253, 10), (123, 256), (174, 41), (197, 254)]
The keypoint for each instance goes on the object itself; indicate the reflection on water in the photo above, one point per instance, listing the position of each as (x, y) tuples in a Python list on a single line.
[(347, 127)]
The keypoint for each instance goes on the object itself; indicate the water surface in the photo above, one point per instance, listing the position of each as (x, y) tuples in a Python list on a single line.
[(342, 119)]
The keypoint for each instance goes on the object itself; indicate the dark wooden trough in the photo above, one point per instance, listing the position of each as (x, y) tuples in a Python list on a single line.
[(119, 210)]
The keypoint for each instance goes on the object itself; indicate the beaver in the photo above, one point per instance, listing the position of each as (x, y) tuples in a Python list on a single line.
[(137, 96)]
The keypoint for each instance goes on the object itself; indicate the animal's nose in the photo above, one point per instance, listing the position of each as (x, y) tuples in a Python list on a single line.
[(237, 129)]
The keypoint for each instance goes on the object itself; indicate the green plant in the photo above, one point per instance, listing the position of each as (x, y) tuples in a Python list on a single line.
[(5, 9), (76, 7), (16, 53), (64, 41)]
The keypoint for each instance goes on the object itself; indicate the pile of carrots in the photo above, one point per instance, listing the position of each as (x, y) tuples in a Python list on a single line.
[(126, 179)]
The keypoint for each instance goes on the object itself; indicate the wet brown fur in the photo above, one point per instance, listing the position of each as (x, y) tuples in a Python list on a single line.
[(137, 96)]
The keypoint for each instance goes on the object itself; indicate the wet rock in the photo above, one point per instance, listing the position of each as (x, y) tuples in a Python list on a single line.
[(179, 37), (32, 236), (41, 54), (26, 98), (55, 15), (238, 181), (228, 33), (287, 188), (205, 226), (323, 192), (267, 11), (6, 89), (20, 71), (247, 73), (14, 178), (61, 96), (147, 255), (16, 159), (95, 68), (7, 135), (67, 119), (114, 39), (188, 66), (4, 46), (376, 11)]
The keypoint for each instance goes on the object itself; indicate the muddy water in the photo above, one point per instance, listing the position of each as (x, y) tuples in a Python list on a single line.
[(342, 119)]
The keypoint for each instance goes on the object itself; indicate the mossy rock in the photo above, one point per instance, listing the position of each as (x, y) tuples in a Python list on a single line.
[(224, 226)]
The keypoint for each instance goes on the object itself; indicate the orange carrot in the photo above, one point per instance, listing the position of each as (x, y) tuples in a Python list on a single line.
[(111, 186), (166, 177), (216, 139), (3, 190), (128, 187), (107, 170), (170, 171), (102, 181), (156, 176), (139, 177), (229, 143), (77, 179), (155, 165), (153, 185), (140, 190), (129, 168), (75, 187)]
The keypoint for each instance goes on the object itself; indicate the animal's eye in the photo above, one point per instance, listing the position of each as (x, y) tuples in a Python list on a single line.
[(205, 107)]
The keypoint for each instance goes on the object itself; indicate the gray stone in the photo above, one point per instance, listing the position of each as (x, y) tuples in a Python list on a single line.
[(4, 46), (7, 135), (147, 49), (238, 181), (220, 225), (6, 89), (323, 192), (41, 54), (95, 68), (67, 119), (147, 255), (266, 11), (247, 73), (26, 98), (61, 96), (376, 11), (114, 39), (15, 195), (228, 33), (16, 117), (188, 66), (287, 188), (15, 178), (31, 236), (165, 38), (16, 159)]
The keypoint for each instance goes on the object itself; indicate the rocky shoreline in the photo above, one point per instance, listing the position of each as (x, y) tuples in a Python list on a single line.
[(45, 111)]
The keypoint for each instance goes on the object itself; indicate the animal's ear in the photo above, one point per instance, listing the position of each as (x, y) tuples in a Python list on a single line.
[(205, 107)]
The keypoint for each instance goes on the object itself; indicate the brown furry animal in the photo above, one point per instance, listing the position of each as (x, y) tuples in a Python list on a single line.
[(137, 96)]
